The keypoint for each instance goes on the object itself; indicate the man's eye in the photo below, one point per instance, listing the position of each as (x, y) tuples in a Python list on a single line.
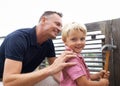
[(58, 24)]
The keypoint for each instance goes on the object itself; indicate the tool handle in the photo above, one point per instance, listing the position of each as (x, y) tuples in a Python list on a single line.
[(107, 60)]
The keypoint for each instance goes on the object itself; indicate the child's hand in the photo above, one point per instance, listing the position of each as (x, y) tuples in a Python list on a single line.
[(104, 82), (104, 74)]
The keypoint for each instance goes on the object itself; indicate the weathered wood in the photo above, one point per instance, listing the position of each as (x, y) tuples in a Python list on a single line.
[(93, 26), (116, 52), (106, 28), (111, 31)]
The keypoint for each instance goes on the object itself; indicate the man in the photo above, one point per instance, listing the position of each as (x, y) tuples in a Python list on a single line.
[(23, 50)]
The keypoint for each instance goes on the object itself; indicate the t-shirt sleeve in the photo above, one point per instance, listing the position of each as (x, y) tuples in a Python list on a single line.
[(51, 49), (14, 48), (75, 71)]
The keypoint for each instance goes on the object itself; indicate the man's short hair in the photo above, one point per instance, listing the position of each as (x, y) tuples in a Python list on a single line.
[(47, 13)]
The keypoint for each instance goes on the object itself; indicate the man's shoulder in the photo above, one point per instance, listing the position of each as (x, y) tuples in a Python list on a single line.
[(21, 32)]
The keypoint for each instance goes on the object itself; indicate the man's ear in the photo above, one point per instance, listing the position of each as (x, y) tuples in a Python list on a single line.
[(43, 19)]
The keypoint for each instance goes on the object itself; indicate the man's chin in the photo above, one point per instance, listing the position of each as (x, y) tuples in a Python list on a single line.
[(53, 37)]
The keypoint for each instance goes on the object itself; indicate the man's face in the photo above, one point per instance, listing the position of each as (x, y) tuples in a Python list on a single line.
[(76, 41), (53, 25)]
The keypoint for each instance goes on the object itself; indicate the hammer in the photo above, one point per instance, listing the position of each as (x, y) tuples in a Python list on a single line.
[(108, 48)]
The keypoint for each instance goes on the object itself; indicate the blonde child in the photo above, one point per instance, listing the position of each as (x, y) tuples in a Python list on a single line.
[(73, 36)]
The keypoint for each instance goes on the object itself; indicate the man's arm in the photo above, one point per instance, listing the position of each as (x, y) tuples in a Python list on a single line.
[(57, 75), (12, 76), (12, 69)]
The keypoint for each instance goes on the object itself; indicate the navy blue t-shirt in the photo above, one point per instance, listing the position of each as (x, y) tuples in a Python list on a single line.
[(22, 45)]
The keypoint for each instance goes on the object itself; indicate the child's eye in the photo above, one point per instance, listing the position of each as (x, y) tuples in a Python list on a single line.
[(82, 39), (74, 39)]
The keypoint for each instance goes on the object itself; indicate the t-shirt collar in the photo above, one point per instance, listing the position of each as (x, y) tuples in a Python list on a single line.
[(33, 37)]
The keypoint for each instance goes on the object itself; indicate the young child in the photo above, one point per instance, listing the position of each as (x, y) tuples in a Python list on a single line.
[(73, 36)]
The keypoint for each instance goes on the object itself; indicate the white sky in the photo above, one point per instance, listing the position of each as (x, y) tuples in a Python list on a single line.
[(15, 14)]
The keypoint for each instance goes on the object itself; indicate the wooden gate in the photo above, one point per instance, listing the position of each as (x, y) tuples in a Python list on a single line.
[(111, 30)]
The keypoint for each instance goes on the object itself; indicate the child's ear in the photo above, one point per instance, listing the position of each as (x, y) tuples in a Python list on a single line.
[(65, 43)]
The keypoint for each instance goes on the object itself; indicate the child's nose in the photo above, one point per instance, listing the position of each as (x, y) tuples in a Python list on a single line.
[(79, 41)]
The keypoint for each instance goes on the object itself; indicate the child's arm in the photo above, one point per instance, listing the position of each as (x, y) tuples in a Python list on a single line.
[(95, 76), (83, 81), (101, 74)]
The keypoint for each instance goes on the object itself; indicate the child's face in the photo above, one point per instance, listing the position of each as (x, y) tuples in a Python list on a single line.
[(76, 41)]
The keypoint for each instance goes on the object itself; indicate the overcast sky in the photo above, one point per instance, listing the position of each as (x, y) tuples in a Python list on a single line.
[(15, 14)]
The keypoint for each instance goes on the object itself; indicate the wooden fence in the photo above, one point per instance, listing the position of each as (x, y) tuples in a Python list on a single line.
[(111, 30)]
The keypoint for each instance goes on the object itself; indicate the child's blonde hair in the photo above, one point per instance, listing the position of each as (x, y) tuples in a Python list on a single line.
[(72, 27)]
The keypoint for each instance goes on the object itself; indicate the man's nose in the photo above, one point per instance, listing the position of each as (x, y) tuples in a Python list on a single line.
[(59, 29)]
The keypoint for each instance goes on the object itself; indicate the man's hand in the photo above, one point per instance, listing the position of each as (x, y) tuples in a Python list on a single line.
[(60, 62)]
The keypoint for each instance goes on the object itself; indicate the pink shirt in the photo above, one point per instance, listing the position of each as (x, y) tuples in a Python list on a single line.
[(70, 74)]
